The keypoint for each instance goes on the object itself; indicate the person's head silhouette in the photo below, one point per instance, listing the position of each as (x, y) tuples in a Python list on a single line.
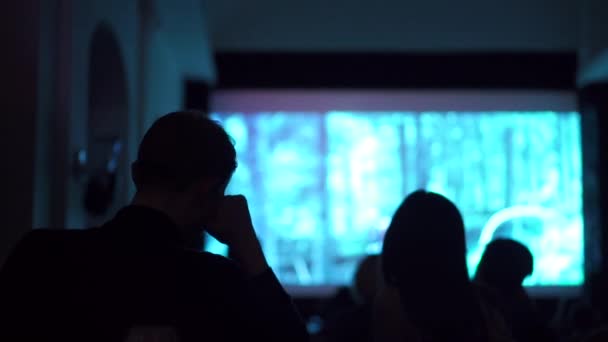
[(425, 243), (365, 282), (424, 258), (183, 166), (504, 265)]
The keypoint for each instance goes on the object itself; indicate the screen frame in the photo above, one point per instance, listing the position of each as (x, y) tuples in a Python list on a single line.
[(392, 100), (537, 292), (267, 100), (513, 71)]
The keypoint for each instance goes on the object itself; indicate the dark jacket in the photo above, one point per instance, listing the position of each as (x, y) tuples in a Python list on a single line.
[(97, 284), (351, 325)]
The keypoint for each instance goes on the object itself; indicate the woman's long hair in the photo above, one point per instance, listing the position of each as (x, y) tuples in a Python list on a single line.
[(424, 257)]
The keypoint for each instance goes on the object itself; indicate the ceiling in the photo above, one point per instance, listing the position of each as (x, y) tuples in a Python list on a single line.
[(393, 25)]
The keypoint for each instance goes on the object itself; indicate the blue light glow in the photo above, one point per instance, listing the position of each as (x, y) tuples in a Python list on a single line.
[(323, 186)]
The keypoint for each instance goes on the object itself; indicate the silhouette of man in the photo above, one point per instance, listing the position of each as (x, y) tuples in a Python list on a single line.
[(144, 269), (502, 269)]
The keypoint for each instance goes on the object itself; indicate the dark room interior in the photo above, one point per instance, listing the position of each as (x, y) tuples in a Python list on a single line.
[(340, 115)]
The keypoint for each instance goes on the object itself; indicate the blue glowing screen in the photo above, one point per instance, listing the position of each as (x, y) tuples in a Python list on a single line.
[(322, 186)]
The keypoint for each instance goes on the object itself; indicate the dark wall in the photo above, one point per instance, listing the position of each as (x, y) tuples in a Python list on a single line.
[(594, 101), (480, 70), (19, 61)]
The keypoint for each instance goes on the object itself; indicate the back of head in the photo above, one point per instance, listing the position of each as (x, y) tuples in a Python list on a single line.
[(425, 241), (504, 265), (424, 256), (180, 148), (367, 278)]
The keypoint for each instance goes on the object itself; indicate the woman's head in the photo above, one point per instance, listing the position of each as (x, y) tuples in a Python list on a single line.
[(424, 258), (425, 242)]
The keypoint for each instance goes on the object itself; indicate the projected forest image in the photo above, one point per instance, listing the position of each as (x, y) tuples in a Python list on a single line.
[(322, 187)]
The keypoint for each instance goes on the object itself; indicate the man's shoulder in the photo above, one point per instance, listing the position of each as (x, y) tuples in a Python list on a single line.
[(43, 251), (45, 238)]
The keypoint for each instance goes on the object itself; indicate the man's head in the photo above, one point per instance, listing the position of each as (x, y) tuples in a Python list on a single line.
[(505, 264), (184, 164)]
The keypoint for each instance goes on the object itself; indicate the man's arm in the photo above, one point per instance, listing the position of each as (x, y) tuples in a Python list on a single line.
[(272, 312), (273, 307), (270, 308)]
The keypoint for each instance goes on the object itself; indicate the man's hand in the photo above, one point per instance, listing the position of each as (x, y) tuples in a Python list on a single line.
[(233, 227), (233, 221)]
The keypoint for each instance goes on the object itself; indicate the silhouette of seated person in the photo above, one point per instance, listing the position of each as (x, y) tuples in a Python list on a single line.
[(144, 270), (342, 300), (502, 269), (354, 323), (427, 294), (581, 318)]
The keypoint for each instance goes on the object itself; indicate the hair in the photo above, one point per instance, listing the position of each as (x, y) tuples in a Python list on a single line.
[(505, 264), (365, 282), (424, 257), (181, 148)]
